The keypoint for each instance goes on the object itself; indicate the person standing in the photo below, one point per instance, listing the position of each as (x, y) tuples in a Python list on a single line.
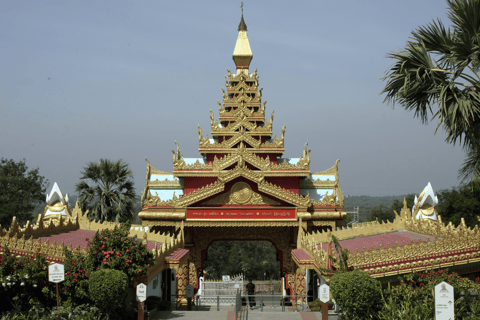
[(251, 292)]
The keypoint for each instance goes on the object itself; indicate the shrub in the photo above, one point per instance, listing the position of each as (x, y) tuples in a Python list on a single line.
[(23, 281), (415, 296), (317, 305), (108, 289), (357, 294)]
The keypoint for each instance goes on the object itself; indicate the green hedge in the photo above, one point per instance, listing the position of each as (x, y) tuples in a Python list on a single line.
[(357, 293), (108, 289)]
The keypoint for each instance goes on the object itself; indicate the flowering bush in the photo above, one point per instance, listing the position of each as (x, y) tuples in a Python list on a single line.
[(23, 281), (113, 249), (414, 297), (108, 249)]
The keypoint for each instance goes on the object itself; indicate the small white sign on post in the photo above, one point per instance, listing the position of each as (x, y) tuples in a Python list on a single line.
[(324, 293), (141, 292), (189, 291), (444, 301), (56, 273)]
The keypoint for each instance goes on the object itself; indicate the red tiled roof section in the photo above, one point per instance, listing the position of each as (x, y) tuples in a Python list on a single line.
[(178, 254), (300, 254), (381, 239), (79, 237)]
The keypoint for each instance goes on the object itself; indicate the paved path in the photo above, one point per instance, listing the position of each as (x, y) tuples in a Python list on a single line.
[(227, 313)]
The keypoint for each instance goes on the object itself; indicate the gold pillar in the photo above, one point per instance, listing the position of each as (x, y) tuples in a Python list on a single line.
[(182, 281)]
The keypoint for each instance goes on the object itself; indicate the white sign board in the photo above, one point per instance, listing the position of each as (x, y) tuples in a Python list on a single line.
[(444, 301), (141, 292), (225, 278), (324, 293), (56, 273), (189, 291)]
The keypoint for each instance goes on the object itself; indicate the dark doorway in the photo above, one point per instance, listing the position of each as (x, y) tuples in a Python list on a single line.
[(256, 260)]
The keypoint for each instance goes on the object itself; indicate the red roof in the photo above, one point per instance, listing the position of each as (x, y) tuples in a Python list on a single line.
[(79, 237), (178, 254), (381, 239), (301, 255)]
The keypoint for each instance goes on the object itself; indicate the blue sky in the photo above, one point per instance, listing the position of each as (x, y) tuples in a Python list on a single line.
[(80, 81)]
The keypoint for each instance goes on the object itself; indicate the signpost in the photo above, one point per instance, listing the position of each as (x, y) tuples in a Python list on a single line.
[(56, 274), (324, 297), (141, 296), (444, 301), (189, 293)]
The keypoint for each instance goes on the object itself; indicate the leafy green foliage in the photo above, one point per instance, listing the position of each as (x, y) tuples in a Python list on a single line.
[(357, 293), (460, 202), (317, 305), (23, 281), (112, 195), (252, 258), (439, 66), (20, 191), (384, 213), (108, 289), (414, 296)]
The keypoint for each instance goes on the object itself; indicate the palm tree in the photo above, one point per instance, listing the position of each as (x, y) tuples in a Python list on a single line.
[(111, 196), (439, 67)]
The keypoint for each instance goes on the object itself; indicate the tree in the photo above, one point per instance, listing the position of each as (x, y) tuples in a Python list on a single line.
[(112, 195), (439, 66), (20, 191), (460, 202), (384, 213)]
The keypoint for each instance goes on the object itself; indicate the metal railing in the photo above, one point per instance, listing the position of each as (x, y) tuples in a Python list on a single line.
[(249, 301)]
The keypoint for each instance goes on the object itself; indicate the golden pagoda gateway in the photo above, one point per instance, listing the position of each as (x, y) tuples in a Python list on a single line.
[(241, 188)]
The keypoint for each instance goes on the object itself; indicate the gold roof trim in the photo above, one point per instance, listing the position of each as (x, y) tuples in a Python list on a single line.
[(332, 171), (283, 194), (316, 184), (166, 183), (244, 195), (186, 200)]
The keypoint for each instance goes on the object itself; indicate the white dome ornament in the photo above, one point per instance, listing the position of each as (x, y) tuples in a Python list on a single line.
[(425, 206)]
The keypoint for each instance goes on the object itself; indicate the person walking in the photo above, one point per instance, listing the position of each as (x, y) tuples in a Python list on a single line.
[(251, 293)]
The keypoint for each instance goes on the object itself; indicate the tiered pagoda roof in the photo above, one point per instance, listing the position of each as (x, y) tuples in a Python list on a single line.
[(241, 147)]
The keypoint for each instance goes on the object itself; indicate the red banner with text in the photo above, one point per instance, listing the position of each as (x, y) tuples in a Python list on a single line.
[(241, 214)]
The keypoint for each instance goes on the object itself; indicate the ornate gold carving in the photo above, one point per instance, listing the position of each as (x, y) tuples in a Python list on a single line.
[(241, 193), (316, 184), (327, 200), (175, 183), (240, 171), (282, 194), (332, 171), (177, 158), (186, 200)]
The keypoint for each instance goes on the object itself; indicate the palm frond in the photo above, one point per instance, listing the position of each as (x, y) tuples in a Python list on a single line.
[(112, 195), (470, 170)]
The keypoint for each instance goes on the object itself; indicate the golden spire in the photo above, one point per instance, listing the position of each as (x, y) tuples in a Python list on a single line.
[(242, 54)]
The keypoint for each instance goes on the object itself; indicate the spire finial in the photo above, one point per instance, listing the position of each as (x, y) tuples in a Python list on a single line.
[(242, 26)]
